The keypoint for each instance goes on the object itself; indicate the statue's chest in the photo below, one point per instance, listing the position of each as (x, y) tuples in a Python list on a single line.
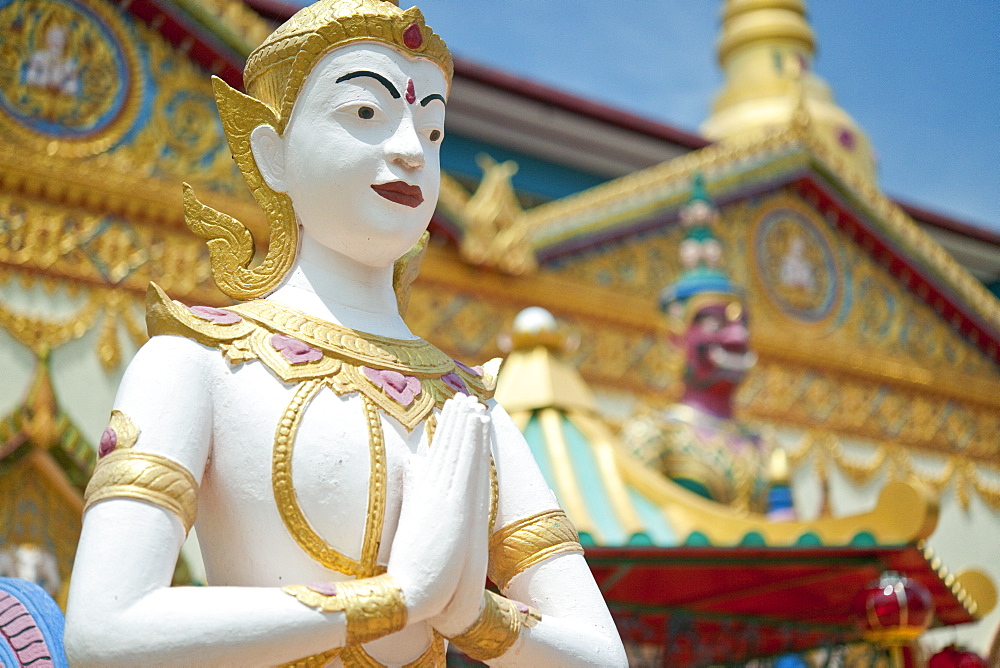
[(320, 469)]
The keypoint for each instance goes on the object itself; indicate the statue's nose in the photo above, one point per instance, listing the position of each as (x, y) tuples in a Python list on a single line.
[(404, 147)]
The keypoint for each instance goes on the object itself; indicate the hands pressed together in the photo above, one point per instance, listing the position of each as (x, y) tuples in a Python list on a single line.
[(439, 553)]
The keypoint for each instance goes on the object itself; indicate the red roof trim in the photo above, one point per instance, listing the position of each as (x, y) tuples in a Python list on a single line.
[(230, 68), (201, 46), (279, 11), (533, 90), (922, 215), (908, 269), (276, 10)]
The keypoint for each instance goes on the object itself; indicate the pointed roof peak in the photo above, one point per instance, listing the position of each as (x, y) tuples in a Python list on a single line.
[(766, 49)]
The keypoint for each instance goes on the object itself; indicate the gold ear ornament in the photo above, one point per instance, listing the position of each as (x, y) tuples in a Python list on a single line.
[(230, 243)]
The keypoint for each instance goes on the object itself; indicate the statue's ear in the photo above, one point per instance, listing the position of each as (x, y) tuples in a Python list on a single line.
[(269, 154)]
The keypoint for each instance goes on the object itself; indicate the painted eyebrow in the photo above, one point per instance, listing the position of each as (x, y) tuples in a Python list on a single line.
[(378, 77), (430, 98)]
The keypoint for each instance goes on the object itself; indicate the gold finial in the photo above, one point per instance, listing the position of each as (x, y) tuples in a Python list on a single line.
[(536, 374), (766, 51), (496, 232)]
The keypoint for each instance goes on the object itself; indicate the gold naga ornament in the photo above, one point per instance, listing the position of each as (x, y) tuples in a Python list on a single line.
[(274, 75)]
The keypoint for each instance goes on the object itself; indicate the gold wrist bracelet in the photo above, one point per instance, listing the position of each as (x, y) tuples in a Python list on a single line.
[(497, 628), (374, 606)]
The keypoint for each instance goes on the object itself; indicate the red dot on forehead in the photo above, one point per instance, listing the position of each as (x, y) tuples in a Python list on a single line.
[(412, 37), (411, 93)]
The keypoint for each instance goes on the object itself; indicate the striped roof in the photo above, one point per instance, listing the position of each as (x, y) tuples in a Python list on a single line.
[(616, 501)]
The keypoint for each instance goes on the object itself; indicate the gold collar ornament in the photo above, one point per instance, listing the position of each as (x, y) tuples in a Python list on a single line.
[(405, 379), (274, 75)]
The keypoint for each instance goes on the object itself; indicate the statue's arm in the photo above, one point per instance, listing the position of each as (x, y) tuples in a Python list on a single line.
[(575, 627), (122, 610)]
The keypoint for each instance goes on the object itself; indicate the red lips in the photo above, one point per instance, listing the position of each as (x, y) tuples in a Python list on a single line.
[(400, 192)]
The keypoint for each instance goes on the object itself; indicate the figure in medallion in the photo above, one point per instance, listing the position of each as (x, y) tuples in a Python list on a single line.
[(697, 442), (351, 484)]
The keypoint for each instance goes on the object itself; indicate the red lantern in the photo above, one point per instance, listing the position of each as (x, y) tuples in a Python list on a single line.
[(894, 610), (953, 657)]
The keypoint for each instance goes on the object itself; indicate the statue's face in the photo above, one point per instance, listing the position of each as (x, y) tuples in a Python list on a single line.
[(717, 347), (361, 151)]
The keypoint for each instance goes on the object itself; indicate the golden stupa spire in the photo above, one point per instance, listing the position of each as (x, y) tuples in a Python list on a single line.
[(766, 50)]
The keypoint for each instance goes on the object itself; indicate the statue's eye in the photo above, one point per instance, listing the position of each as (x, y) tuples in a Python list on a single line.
[(435, 135), (366, 113)]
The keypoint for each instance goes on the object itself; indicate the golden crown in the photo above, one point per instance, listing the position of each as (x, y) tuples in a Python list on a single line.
[(274, 74), (277, 68)]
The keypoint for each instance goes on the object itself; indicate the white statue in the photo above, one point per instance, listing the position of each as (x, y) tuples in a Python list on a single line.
[(47, 68), (352, 484), (796, 270)]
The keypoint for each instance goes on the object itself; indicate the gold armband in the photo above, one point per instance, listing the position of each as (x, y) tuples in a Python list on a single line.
[(497, 628), (374, 606), (526, 542), (135, 474)]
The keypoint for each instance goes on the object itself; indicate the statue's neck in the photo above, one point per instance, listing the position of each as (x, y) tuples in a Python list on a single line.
[(333, 287)]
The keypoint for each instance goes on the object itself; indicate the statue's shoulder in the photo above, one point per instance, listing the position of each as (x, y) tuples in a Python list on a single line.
[(478, 381), (205, 324)]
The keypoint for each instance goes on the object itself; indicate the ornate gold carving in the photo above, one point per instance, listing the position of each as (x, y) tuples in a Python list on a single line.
[(48, 98), (229, 241), (972, 588), (276, 70), (146, 476), (405, 270), (240, 26), (81, 248), (867, 461), (661, 189), (374, 606), (339, 362), (434, 657), (42, 334), (520, 545), (126, 433), (495, 233), (138, 174), (415, 357), (497, 628)]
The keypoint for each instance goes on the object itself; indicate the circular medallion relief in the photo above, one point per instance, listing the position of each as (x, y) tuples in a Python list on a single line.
[(796, 265), (70, 76)]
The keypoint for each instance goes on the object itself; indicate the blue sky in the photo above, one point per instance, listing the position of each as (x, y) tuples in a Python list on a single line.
[(921, 77)]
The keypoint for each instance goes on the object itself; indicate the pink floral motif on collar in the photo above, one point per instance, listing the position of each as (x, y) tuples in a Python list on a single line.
[(474, 370), (455, 382), (295, 351), (402, 389), (217, 315)]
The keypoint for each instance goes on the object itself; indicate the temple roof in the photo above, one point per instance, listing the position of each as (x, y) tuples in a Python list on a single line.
[(742, 168), (219, 34)]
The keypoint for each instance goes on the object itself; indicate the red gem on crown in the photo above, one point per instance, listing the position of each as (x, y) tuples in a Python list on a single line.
[(412, 37)]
